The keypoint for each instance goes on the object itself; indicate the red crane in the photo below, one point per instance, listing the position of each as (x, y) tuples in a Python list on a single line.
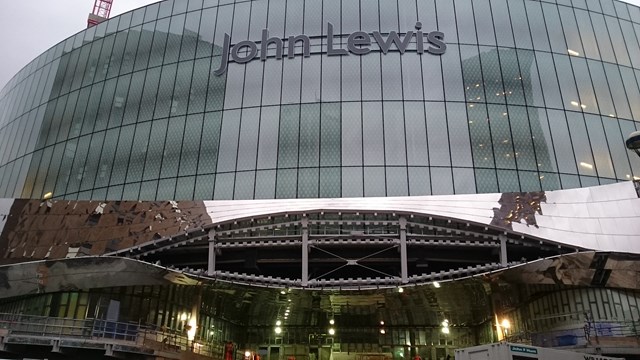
[(101, 11)]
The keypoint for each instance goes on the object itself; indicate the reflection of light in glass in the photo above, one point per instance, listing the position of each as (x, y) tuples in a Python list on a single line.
[(445, 330), (573, 52), (48, 195), (435, 283), (586, 165), (612, 115), (577, 104), (400, 290)]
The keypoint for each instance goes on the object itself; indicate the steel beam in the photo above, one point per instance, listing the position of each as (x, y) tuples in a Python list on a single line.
[(305, 251), (404, 273), (211, 263), (503, 250)]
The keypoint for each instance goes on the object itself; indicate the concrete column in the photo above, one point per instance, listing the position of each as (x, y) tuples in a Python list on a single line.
[(305, 251), (404, 273), (212, 253)]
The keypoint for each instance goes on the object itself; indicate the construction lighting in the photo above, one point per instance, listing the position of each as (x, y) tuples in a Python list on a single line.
[(445, 326), (191, 332)]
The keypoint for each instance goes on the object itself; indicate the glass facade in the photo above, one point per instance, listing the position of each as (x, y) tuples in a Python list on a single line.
[(529, 95)]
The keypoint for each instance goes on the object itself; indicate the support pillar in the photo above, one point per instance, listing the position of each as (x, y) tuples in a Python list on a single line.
[(305, 251), (404, 273), (503, 250), (211, 268)]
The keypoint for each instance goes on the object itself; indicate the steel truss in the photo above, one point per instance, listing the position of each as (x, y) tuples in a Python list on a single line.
[(340, 250)]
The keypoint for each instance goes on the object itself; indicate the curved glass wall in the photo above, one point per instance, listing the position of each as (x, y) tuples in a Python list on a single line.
[(528, 95)]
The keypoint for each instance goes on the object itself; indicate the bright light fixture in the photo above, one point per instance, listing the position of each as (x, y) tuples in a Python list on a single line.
[(247, 353), (278, 323), (47, 195), (381, 322), (278, 330), (332, 321), (191, 333), (332, 331), (382, 331), (400, 290), (506, 324), (436, 284)]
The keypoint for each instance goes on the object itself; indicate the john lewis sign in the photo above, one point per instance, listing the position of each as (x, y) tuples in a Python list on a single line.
[(358, 43)]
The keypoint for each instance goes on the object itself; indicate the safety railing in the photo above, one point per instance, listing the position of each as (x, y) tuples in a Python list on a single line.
[(611, 333), (106, 331)]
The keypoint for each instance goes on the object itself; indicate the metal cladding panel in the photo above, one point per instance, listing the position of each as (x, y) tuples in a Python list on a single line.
[(604, 218), (5, 208), (65, 229), (475, 208), (83, 273), (579, 269)]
